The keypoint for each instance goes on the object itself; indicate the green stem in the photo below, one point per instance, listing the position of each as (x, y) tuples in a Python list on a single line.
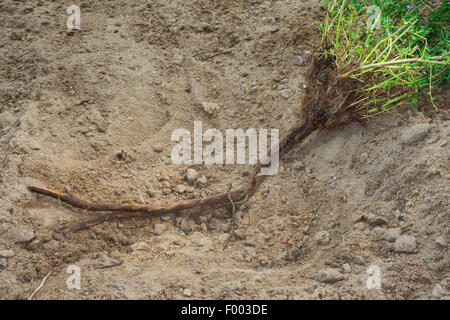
[(390, 63)]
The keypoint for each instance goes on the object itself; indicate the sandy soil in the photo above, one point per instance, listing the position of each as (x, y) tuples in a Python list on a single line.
[(90, 112)]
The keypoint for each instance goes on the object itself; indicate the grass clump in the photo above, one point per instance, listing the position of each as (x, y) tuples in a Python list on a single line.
[(394, 49)]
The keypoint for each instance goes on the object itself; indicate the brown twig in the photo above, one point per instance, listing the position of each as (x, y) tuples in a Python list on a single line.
[(343, 101), (40, 286), (232, 212), (437, 75), (201, 51), (116, 264), (4, 160), (219, 53)]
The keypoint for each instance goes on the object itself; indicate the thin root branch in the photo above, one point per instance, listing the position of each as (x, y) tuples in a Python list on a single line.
[(40, 286), (232, 212), (114, 211)]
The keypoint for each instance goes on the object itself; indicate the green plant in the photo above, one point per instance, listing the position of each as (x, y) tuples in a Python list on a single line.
[(394, 50)]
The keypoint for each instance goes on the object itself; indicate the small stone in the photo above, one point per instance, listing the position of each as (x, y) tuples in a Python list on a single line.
[(250, 253), (359, 260), (299, 165), (166, 217), (7, 254), (121, 155), (307, 54), (191, 175), (204, 228), (187, 292), (239, 234), (270, 20), (415, 133), (375, 220), (35, 146), (223, 237), (165, 184), (207, 28), (135, 246), (234, 39), (180, 188), (250, 243), (285, 94), (273, 29), (405, 244), (364, 157), (157, 148), (321, 238), (203, 180), (223, 227), (44, 237), (139, 200), (186, 230), (440, 240), (282, 256), (346, 268), (21, 234), (298, 60), (391, 234), (33, 245), (159, 229), (210, 107), (329, 275), (7, 119)]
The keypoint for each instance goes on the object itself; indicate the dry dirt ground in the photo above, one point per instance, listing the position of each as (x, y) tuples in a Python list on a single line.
[(90, 112)]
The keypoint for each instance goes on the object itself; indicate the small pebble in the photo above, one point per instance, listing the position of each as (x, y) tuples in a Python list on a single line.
[(405, 244), (329, 276), (157, 148), (210, 107), (392, 234), (360, 260), (203, 180), (298, 60), (321, 238), (186, 230), (191, 175), (187, 292), (180, 188), (7, 254), (415, 133), (159, 228), (346, 268)]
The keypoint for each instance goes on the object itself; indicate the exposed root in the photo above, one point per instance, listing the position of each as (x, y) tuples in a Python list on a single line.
[(328, 103), (134, 210), (232, 212)]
